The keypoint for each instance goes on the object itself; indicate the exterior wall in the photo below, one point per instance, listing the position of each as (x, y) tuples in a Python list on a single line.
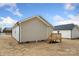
[(65, 33), (15, 33), (32, 30), (75, 32)]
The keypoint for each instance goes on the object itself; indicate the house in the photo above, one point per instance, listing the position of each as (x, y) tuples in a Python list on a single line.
[(32, 29), (0, 30), (7, 30), (67, 30)]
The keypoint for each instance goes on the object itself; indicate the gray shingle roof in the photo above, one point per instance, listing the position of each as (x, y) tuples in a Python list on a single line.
[(64, 27), (7, 29)]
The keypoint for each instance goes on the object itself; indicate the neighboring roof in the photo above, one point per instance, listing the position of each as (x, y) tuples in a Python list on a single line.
[(7, 29), (64, 27), (30, 18)]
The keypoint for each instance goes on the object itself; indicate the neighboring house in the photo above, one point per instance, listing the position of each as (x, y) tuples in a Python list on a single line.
[(7, 30), (67, 31), (0, 30), (32, 29)]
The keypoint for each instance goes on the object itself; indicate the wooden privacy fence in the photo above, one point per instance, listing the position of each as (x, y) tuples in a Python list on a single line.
[(54, 37)]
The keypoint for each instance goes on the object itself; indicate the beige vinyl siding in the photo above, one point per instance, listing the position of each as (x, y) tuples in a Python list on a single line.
[(33, 30)]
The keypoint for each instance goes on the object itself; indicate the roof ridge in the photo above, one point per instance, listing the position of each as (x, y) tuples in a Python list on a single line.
[(40, 17), (64, 27), (66, 24)]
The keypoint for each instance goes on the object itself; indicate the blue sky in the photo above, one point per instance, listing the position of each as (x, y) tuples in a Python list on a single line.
[(55, 13)]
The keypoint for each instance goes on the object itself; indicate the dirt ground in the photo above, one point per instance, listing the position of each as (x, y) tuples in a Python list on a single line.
[(10, 47)]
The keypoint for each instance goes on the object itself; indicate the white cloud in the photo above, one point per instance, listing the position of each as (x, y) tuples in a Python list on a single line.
[(7, 4), (12, 8), (72, 19), (14, 11), (58, 18), (69, 21), (69, 6), (70, 16), (7, 21)]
